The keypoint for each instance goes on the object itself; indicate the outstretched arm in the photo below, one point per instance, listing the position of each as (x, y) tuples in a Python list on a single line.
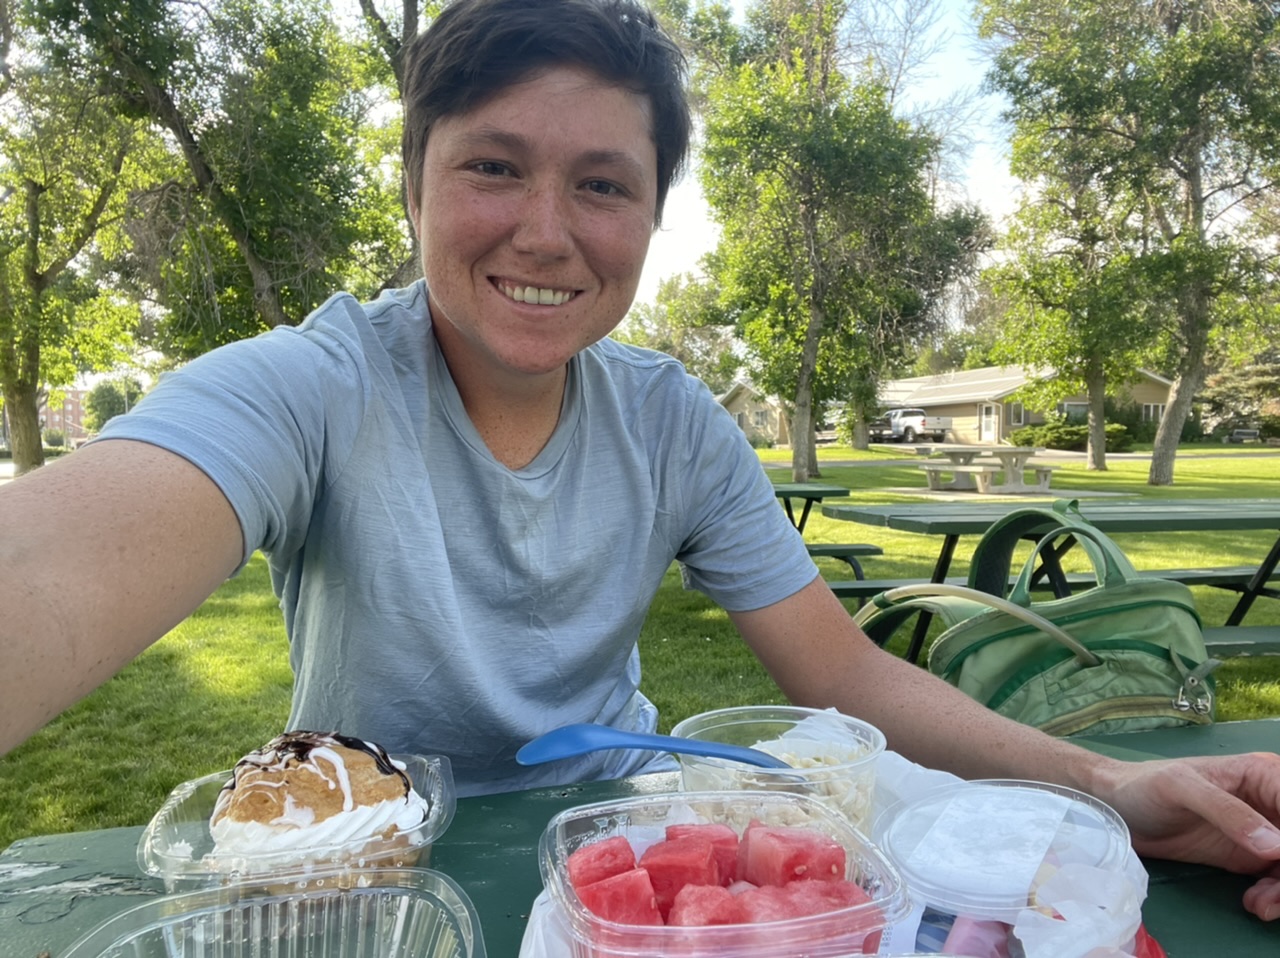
[(101, 553), (1222, 811)]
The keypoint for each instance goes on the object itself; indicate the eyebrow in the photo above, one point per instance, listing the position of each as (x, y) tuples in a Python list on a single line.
[(518, 143)]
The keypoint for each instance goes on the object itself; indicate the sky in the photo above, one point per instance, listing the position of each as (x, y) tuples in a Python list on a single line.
[(687, 231)]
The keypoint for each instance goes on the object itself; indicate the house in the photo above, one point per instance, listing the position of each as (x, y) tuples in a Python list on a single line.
[(981, 410), (763, 418)]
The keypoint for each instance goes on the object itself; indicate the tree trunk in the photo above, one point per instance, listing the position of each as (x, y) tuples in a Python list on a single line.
[(22, 402), (1095, 381), (802, 432), (1195, 321)]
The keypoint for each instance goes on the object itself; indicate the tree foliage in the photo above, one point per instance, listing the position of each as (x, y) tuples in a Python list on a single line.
[(832, 255), (67, 161), (108, 399), (1170, 106), (282, 199), (685, 321)]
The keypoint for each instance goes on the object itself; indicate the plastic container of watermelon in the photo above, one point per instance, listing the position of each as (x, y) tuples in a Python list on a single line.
[(833, 756), (643, 820)]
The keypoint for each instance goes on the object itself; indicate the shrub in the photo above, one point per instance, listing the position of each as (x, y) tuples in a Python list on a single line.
[(54, 438), (1071, 436)]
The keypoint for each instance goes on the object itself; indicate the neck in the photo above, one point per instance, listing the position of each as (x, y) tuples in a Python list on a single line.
[(514, 415)]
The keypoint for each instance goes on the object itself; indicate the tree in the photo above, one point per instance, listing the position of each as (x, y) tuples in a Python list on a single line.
[(66, 163), (110, 398), (1172, 104), (685, 322), (1074, 293), (282, 201)]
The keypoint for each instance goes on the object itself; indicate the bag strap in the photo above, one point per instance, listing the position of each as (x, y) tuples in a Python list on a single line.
[(937, 589), (993, 556), (881, 617), (1111, 566)]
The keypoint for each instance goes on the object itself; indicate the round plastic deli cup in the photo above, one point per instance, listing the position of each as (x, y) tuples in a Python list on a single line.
[(642, 821), (833, 755), (978, 853), (178, 847), (411, 911)]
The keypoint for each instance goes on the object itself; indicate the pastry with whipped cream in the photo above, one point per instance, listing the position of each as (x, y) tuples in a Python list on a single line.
[(311, 790)]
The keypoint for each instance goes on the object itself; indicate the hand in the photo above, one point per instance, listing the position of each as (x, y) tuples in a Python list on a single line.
[(1222, 811)]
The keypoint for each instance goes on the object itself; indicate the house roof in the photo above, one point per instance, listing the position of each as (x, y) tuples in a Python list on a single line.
[(989, 384)]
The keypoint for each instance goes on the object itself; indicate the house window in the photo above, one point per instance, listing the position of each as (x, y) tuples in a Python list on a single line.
[(762, 418), (1016, 416), (741, 420), (1075, 411), (1152, 411)]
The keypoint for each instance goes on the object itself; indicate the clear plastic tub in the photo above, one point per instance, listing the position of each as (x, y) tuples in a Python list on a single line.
[(981, 849), (834, 755), (643, 820), (408, 913), (178, 847)]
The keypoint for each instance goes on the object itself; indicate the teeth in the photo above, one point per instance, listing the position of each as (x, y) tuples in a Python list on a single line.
[(537, 296)]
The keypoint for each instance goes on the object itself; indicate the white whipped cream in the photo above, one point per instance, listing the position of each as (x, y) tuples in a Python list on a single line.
[(297, 829)]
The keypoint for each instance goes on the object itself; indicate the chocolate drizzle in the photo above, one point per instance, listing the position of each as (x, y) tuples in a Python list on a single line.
[(299, 745)]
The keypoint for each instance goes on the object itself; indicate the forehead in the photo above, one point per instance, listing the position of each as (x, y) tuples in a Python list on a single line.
[(577, 100)]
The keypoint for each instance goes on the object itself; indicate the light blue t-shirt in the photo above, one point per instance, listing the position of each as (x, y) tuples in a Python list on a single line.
[(435, 600)]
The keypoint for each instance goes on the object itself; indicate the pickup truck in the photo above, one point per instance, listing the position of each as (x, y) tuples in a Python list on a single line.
[(909, 425)]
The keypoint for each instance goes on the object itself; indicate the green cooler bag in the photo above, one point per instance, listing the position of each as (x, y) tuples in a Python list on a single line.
[(1125, 655)]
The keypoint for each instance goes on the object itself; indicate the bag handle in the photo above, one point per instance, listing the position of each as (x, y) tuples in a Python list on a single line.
[(1081, 653), (1111, 566), (992, 558)]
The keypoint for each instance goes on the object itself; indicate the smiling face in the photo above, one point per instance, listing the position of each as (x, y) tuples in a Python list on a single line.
[(535, 218)]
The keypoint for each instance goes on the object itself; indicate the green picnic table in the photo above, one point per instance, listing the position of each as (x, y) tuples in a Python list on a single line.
[(808, 493), (55, 888), (951, 520)]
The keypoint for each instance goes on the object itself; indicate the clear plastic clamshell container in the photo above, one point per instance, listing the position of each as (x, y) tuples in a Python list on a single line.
[(643, 821), (833, 756), (981, 849), (177, 845), (398, 913)]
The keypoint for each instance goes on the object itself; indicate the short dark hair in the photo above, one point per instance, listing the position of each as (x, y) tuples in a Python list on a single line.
[(475, 49)]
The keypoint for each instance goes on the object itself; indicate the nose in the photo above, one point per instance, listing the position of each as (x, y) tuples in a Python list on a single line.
[(544, 225)]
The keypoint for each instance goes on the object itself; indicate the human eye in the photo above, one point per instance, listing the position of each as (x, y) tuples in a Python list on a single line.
[(492, 168), (603, 188)]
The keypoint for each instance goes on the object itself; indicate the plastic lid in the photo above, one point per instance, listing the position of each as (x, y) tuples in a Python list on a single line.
[(983, 848)]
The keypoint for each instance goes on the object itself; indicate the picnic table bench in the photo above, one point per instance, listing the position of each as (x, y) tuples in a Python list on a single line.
[(1243, 435), (848, 552), (1020, 475)]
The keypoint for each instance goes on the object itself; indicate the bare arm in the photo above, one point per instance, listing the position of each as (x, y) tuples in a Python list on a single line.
[(101, 553), (820, 658), (1220, 810)]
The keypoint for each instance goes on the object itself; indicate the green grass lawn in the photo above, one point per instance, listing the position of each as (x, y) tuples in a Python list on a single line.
[(219, 684)]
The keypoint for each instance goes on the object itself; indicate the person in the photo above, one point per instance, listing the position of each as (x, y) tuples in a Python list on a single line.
[(469, 494)]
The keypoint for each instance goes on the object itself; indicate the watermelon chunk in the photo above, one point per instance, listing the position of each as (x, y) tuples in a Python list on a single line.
[(775, 856), (705, 905), (626, 898), (600, 860), (722, 838), (677, 862)]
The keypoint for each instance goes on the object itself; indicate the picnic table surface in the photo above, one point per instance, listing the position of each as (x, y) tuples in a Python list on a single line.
[(809, 492), (55, 888)]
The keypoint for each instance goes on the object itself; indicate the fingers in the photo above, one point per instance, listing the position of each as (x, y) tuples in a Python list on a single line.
[(1263, 899)]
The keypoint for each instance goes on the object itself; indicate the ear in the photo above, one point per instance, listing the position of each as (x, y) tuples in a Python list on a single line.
[(412, 205)]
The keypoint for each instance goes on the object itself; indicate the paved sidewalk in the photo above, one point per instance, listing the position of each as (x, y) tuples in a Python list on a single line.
[(6, 470)]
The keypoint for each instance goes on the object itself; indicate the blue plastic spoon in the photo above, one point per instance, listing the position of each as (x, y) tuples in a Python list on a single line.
[(570, 740)]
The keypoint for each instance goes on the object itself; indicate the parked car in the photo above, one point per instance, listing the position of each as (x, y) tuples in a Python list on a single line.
[(909, 425)]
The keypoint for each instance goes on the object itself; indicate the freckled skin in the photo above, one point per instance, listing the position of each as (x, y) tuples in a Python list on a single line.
[(551, 184)]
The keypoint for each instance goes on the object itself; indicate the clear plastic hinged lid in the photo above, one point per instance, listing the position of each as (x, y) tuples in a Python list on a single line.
[(178, 847), (983, 849), (389, 913)]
